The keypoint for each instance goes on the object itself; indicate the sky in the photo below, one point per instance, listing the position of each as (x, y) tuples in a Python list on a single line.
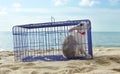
[(103, 14)]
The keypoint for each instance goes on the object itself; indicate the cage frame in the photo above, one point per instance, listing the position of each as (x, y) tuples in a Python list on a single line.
[(26, 27)]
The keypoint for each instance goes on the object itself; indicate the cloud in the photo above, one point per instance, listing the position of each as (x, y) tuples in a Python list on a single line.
[(34, 10), (16, 5), (114, 2), (3, 12), (66, 11), (62, 14), (88, 2), (59, 2)]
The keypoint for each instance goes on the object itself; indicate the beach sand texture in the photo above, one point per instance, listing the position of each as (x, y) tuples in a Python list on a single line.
[(106, 61)]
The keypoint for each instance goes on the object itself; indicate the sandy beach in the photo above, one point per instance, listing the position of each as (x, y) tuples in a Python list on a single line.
[(106, 61)]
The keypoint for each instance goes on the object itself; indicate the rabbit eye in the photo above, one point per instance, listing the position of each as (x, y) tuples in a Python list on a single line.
[(81, 24)]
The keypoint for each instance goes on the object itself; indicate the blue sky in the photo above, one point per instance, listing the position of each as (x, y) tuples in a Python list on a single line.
[(104, 14)]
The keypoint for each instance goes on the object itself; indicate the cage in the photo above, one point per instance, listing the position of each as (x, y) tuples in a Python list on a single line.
[(43, 41)]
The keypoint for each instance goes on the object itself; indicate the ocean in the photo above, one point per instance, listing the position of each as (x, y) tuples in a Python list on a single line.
[(99, 39)]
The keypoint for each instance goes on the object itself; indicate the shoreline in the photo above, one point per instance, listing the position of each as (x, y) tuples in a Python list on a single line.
[(92, 48)]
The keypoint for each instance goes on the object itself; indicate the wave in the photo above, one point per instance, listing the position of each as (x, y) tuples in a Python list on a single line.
[(1, 49)]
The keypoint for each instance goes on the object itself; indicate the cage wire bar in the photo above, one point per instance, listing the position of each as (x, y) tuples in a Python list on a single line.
[(43, 41)]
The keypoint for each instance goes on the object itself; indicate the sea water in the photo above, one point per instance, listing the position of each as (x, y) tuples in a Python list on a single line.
[(99, 39)]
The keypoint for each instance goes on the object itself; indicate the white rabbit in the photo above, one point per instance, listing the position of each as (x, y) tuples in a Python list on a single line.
[(69, 45), (74, 44)]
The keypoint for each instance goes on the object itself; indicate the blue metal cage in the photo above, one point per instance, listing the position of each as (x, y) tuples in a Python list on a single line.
[(43, 41)]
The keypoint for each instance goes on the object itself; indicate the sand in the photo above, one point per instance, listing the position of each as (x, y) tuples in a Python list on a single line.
[(106, 61)]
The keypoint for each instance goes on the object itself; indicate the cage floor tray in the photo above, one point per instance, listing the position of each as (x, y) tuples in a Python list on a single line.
[(50, 58)]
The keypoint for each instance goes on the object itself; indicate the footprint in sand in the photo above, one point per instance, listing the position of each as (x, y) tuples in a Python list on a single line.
[(115, 58), (10, 54), (43, 67), (103, 61), (14, 68), (50, 67), (6, 66), (75, 70), (86, 69), (0, 63), (4, 71), (27, 64), (34, 72), (115, 69), (30, 64), (32, 67)]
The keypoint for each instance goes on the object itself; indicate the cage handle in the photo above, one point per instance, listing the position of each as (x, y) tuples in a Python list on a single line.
[(52, 19)]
